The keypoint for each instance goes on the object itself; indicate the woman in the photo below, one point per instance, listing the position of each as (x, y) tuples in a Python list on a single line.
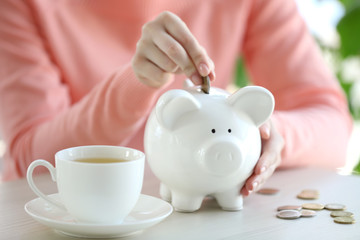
[(84, 72)]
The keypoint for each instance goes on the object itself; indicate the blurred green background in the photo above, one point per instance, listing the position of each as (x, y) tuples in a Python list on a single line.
[(340, 45)]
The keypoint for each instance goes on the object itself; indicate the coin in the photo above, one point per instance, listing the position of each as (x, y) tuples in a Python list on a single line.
[(289, 207), (335, 207), (308, 194), (313, 206), (268, 191), (205, 86), (288, 214), (313, 191), (307, 213), (344, 220), (341, 214)]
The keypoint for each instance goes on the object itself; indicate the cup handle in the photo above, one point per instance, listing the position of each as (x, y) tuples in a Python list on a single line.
[(35, 189)]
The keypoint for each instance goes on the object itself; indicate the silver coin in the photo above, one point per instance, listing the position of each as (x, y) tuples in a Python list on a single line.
[(288, 214), (335, 207)]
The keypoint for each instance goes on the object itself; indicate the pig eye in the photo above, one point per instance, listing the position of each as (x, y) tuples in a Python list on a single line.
[(213, 130), (229, 130)]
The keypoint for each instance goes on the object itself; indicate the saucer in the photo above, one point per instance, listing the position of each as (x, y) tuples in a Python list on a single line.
[(147, 212)]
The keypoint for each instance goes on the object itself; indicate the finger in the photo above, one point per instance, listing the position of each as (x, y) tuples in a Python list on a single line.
[(261, 179), (266, 159), (159, 58), (178, 55), (244, 192), (179, 31), (249, 185), (149, 74), (265, 130), (212, 76), (255, 182), (271, 153), (174, 51), (155, 32)]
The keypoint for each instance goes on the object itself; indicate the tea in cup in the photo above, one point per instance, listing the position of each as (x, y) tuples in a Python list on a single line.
[(96, 184)]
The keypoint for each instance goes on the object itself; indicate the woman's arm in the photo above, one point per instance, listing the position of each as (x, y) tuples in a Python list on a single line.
[(311, 111), (37, 113)]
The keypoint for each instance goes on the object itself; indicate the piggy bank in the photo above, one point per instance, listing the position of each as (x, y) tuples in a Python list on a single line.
[(202, 145)]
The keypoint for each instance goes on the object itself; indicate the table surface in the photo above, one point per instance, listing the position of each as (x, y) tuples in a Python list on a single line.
[(256, 221)]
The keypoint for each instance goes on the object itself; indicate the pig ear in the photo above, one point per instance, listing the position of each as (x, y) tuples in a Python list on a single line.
[(257, 102), (174, 104)]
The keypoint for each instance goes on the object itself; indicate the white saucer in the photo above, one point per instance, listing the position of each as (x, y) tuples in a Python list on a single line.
[(147, 212)]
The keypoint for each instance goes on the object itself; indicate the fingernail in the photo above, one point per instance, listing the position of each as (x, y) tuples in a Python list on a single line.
[(254, 185), (195, 78), (267, 131), (263, 169), (203, 69)]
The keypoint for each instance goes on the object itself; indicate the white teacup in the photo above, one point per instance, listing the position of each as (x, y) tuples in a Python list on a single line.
[(103, 192)]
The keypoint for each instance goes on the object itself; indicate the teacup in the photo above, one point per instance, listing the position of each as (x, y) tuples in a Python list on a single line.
[(96, 184)]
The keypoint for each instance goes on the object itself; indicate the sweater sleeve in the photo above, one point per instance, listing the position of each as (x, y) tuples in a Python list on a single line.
[(37, 115), (311, 111)]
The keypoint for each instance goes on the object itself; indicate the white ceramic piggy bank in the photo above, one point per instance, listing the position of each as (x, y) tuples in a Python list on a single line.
[(201, 144)]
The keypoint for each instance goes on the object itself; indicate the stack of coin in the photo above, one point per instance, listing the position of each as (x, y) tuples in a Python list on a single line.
[(339, 215), (335, 207), (294, 212)]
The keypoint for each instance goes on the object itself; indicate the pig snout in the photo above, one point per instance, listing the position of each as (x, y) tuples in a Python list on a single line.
[(221, 157)]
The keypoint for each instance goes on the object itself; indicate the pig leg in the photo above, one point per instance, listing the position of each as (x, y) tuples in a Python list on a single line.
[(230, 200), (165, 192), (184, 202)]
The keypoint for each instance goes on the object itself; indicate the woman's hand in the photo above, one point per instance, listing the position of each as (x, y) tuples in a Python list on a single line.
[(166, 47), (270, 159)]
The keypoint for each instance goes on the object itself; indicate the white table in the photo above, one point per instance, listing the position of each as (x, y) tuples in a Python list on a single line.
[(256, 221)]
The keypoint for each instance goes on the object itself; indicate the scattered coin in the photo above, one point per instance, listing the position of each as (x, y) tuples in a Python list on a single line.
[(268, 191), (313, 206), (205, 86), (307, 210), (313, 191), (335, 207), (307, 213), (344, 220), (308, 194), (288, 214), (341, 214), (289, 207)]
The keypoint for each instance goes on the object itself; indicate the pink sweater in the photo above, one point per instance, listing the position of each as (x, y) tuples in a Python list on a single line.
[(66, 78)]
